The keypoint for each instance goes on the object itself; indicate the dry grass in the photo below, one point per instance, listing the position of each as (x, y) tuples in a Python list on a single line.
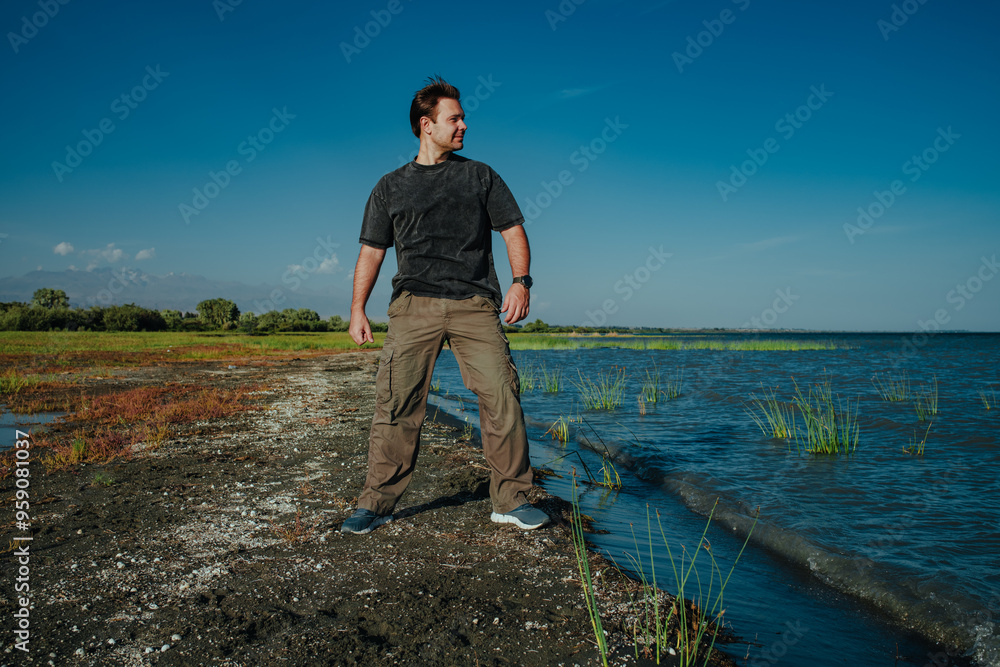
[(112, 426)]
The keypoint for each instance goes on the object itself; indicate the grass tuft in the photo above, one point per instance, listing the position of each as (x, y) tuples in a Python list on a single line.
[(926, 401), (684, 627), (605, 393), (892, 388), (551, 380), (830, 428), (583, 565), (775, 418), (917, 448)]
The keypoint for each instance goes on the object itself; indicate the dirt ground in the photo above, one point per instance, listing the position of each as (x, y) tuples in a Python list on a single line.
[(221, 546)]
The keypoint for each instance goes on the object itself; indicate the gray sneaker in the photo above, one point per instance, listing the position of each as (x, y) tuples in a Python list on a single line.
[(526, 516), (364, 521)]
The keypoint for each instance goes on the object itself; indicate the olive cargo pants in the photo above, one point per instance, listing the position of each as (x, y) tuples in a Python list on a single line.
[(418, 328)]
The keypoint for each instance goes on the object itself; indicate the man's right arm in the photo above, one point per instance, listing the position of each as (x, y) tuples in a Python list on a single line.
[(365, 275)]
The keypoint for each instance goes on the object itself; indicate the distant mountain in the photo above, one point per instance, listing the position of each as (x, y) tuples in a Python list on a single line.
[(175, 291)]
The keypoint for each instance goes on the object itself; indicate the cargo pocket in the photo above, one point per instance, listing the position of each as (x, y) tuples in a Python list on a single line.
[(383, 380), (515, 381)]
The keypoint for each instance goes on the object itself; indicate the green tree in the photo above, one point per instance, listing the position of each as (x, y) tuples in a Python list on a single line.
[(218, 312), (337, 323), (535, 327), (50, 298)]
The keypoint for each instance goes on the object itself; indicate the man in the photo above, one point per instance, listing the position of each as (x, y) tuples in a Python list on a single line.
[(439, 212)]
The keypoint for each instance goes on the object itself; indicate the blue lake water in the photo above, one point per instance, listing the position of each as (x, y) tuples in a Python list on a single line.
[(11, 423), (866, 559)]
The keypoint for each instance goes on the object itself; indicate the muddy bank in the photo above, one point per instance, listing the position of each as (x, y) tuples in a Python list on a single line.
[(221, 545)]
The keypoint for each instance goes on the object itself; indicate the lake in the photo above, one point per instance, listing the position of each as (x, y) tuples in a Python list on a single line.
[(860, 559)]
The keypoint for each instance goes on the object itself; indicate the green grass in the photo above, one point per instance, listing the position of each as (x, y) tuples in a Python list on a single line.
[(892, 388), (686, 627), (60, 342), (605, 393), (563, 342), (917, 448), (830, 427), (12, 382), (989, 399), (551, 380), (775, 418), (583, 565), (560, 429), (925, 401), (527, 378)]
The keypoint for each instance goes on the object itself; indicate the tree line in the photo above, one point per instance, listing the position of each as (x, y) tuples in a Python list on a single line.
[(50, 309)]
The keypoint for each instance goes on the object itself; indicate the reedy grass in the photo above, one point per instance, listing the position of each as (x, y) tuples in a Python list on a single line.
[(687, 620), (587, 582), (650, 392), (926, 401), (829, 428), (526, 378), (775, 418), (604, 394), (892, 388), (560, 430), (989, 400), (917, 448), (551, 380)]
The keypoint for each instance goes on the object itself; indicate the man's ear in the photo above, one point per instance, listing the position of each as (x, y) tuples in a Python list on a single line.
[(425, 124)]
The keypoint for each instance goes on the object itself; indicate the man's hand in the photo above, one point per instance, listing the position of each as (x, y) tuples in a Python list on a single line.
[(515, 304), (360, 329)]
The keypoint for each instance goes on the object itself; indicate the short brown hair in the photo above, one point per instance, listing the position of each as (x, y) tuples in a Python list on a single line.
[(426, 99)]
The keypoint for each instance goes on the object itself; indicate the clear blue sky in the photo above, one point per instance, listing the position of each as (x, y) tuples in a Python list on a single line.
[(683, 93)]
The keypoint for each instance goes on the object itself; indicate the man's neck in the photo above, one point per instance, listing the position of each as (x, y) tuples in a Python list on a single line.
[(430, 154)]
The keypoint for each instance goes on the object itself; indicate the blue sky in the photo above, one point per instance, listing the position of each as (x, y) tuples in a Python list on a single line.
[(681, 163)]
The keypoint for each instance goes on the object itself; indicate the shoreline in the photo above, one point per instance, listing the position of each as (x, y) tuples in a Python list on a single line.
[(222, 544)]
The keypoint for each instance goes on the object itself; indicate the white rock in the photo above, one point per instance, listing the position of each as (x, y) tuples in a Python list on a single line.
[(175, 637), (164, 648)]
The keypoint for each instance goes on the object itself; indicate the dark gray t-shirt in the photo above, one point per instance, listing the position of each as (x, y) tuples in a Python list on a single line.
[(440, 218)]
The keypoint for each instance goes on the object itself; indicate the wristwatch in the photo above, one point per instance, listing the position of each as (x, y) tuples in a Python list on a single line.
[(524, 280)]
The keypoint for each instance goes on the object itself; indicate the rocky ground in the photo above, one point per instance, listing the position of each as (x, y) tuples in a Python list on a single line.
[(221, 545)]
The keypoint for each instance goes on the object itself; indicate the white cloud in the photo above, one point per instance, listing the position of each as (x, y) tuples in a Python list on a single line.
[(109, 254), (149, 253), (63, 248), (329, 265)]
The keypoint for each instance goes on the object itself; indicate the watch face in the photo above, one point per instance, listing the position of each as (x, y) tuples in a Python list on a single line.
[(525, 280)]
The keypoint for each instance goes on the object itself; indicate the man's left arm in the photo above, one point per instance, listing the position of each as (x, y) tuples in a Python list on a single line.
[(515, 304)]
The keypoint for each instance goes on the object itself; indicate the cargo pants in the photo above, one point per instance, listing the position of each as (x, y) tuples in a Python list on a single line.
[(418, 328)]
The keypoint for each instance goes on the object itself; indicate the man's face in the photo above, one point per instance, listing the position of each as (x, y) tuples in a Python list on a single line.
[(449, 129)]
